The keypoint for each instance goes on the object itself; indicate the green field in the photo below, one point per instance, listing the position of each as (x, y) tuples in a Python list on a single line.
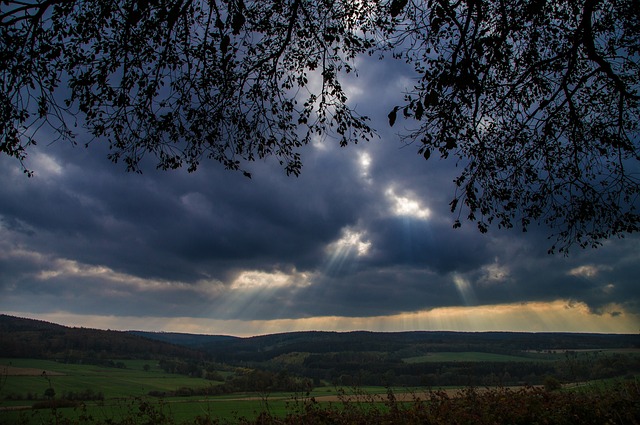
[(126, 389), (126, 401), (132, 381)]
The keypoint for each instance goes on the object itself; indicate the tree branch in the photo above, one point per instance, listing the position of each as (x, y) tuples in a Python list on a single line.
[(592, 52)]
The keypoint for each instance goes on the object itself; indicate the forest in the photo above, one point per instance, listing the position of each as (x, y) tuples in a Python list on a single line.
[(291, 361)]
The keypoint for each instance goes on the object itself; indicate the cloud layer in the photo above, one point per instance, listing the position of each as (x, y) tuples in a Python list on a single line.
[(364, 232)]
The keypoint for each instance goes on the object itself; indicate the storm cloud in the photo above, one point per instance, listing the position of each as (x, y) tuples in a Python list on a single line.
[(365, 231)]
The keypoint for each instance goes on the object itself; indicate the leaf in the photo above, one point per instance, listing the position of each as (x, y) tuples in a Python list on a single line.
[(224, 43), (419, 111), (451, 143), (396, 7), (392, 116), (427, 154), (238, 22)]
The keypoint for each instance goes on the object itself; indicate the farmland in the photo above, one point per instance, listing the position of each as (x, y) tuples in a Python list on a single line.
[(124, 396), (94, 377), (131, 380)]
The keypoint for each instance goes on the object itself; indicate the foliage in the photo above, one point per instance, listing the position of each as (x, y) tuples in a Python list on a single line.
[(538, 100), (182, 80), (551, 383)]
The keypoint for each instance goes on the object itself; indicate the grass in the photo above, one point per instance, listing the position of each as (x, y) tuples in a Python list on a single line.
[(615, 405), (133, 381), (125, 395)]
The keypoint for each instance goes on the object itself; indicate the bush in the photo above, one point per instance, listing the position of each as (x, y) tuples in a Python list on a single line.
[(551, 383)]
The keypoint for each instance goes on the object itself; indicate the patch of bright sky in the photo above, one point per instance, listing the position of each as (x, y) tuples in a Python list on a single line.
[(556, 316), (342, 252), (364, 163), (406, 205), (255, 280), (351, 242), (46, 165), (495, 273), (588, 270), (60, 267)]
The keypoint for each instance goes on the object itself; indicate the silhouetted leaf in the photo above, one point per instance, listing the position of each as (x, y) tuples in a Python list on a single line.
[(238, 22), (393, 115), (224, 43), (419, 110), (396, 7)]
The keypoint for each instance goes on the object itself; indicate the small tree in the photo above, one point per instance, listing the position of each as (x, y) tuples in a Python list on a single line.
[(50, 393)]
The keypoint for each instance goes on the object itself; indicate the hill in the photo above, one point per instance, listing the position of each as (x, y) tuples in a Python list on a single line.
[(29, 338), (195, 341), (339, 358), (405, 344)]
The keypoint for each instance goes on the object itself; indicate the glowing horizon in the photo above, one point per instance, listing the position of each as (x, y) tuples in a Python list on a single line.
[(555, 316)]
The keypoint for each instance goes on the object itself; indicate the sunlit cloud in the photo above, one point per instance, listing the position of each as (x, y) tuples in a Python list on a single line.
[(342, 253), (406, 205), (494, 273), (588, 271), (364, 163), (70, 269), (46, 165), (351, 242), (257, 280)]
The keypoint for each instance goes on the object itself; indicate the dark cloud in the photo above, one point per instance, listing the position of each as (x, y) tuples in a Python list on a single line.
[(86, 237)]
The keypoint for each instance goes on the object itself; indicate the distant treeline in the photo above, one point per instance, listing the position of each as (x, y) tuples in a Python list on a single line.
[(408, 344), (360, 369), (250, 380)]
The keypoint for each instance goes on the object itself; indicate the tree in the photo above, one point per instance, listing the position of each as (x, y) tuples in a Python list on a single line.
[(181, 80), (537, 100), (50, 393)]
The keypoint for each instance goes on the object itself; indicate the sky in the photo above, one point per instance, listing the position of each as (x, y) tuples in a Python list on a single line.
[(363, 239)]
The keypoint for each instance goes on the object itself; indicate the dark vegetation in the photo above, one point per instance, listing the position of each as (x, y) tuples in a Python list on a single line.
[(618, 405), (38, 339)]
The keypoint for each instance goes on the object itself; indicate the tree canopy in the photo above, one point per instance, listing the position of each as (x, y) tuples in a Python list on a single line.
[(538, 100)]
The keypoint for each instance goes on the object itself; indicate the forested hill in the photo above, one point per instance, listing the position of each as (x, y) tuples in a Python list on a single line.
[(195, 341), (30, 338), (21, 337), (406, 344)]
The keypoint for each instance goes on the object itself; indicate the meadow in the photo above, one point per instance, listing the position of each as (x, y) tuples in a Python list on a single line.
[(125, 401), (136, 379)]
